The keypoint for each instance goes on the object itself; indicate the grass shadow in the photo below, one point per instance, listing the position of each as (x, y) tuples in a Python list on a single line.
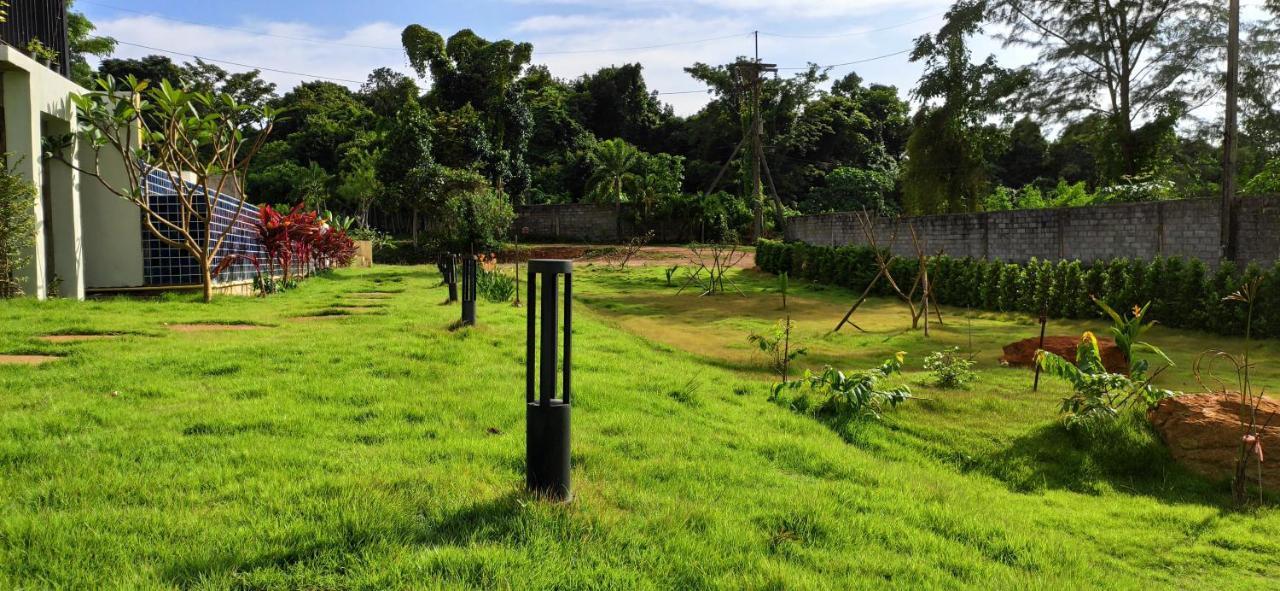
[(493, 520), (1124, 454)]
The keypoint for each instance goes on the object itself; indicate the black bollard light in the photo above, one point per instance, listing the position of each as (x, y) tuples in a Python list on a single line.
[(546, 417), (449, 272), (468, 291)]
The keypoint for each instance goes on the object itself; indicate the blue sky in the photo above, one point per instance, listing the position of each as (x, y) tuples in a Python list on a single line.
[(553, 26), (570, 36)]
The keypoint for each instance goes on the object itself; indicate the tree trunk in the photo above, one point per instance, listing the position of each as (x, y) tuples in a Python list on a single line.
[(206, 275), (415, 226)]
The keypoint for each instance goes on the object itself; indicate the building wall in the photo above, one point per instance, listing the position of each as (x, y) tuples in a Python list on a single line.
[(36, 102), (1188, 228)]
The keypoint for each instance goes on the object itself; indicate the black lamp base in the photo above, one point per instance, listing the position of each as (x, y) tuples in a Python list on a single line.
[(547, 450)]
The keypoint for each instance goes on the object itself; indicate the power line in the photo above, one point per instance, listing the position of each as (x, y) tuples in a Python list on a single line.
[(861, 61), (643, 47), (685, 91), (229, 62), (855, 33)]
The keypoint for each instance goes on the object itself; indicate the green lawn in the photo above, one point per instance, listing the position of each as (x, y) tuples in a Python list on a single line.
[(383, 450)]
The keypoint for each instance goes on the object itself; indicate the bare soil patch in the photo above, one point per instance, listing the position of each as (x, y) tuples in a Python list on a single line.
[(1023, 353), (27, 359), (189, 328), (1203, 433), (604, 254), (77, 338)]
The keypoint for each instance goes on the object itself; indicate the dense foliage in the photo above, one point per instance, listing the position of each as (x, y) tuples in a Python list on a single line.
[(1183, 293), (17, 227), (1120, 107)]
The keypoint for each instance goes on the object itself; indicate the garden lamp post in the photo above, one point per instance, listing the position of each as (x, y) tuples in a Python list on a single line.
[(547, 417), (469, 290), (449, 271)]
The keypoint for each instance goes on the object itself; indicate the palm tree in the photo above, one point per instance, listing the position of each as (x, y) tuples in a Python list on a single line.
[(648, 191), (614, 161)]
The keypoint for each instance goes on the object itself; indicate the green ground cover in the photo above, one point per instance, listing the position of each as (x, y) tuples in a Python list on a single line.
[(381, 450)]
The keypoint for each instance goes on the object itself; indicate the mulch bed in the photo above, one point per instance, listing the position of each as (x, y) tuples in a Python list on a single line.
[(1023, 353), (1203, 433)]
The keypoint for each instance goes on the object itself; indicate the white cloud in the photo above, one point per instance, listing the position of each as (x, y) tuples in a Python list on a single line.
[(280, 46), (806, 9)]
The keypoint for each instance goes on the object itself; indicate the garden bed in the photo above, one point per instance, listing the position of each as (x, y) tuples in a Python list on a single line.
[(1203, 433), (1023, 353)]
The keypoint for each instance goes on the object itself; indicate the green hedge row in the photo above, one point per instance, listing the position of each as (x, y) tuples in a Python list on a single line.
[(1184, 293)]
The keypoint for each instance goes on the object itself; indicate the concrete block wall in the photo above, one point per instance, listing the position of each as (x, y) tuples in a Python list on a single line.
[(568, 222), (1188, 228)]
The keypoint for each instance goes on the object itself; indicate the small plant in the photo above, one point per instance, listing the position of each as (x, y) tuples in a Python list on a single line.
[(17, 227), (846, 397), (950, 369), (777, 346), (41, 52), (671, 273), (491, 282), (632, 248), (784, 281), (1097, 394), (1127, 332)]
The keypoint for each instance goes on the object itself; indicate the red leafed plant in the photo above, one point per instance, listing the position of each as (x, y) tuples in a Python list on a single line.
[(301, 241)]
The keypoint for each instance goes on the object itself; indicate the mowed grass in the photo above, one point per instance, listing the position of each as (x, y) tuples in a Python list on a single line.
[(379, 449)]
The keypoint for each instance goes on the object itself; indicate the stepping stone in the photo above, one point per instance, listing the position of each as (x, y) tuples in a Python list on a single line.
[(27, 359), (212, 327), (77, 338)]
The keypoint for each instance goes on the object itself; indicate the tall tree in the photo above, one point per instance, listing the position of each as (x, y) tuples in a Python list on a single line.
[(1026, 158), (947, 166), (386, 91), (82, 43), (1135, 61), (407, 167), (1260, 94), (469, 70), (615, 102)]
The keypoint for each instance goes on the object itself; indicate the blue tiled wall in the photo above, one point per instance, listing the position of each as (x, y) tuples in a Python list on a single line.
[(167, 265)]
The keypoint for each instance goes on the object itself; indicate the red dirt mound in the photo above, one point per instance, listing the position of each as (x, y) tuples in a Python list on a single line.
[(1023, 353), (1203, 433)]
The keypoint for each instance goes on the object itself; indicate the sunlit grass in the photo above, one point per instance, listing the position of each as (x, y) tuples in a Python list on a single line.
[(382, 450)]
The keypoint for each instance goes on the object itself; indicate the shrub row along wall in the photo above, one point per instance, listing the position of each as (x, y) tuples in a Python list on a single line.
[(1188, 228), (1184, 293)]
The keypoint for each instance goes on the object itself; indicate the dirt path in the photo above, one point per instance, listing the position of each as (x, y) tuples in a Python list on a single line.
[(648, 256)]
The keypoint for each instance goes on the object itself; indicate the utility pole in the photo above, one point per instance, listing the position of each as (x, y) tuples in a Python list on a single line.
[(1229, 139), (753, 72)]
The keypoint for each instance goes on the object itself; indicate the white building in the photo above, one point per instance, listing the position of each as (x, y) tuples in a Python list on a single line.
[(87, 238)]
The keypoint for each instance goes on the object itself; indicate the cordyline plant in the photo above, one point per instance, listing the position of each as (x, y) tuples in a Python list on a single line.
[(172, 131), (296, 243)]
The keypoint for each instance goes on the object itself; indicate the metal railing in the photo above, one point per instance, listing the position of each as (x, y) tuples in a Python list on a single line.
[(45, 20)]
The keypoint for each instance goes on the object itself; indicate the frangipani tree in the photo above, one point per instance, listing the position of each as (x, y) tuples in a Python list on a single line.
[(171, 131)]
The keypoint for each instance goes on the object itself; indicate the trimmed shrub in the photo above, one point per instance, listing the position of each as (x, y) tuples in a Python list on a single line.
[(1183, 293)]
